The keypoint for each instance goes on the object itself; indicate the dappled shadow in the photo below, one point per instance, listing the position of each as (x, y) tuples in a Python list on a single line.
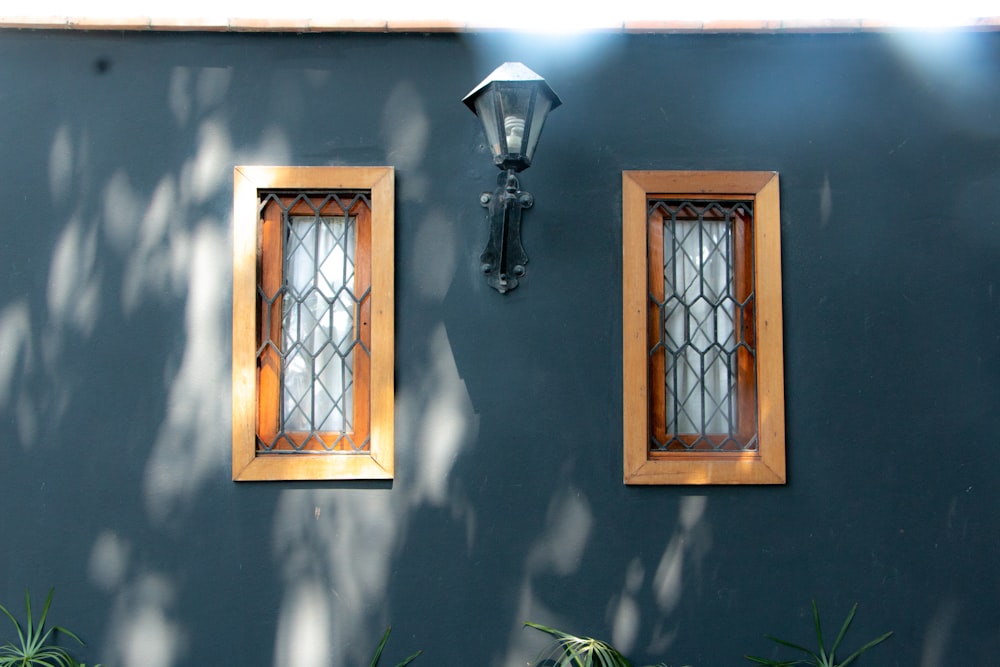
[(135, 310), (940, 630), (558, 554), (333, 552), (508, 504)]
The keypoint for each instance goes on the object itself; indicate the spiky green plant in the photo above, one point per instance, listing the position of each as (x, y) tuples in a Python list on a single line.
[(381, 646), (34, 647), (573, 651), (822, 658)]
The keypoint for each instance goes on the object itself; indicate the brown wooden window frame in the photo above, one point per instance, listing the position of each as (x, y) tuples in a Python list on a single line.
[(366, 452), (759, 377)]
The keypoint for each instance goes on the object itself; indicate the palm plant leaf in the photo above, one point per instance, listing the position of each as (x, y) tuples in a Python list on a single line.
[(843, 628), (874, 642), (409, 659), (574, 651), (789, 644), (33, 648), (821, 659), (381, 646), (772, 663)]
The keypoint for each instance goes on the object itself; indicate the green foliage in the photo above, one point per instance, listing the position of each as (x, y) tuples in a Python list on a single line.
[(822, 658), (378, 652), (35, 647), (572, 651)]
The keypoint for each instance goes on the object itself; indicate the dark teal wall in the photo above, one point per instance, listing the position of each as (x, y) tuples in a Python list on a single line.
[(116, 184)]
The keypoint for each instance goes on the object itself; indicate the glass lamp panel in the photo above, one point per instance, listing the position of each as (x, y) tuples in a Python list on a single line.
[(515, 101), (543, 104), (318, 324), (486, 109)]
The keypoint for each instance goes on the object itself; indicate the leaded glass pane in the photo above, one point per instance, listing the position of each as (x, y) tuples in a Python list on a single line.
[(317, 324), (314, 337), (701, 328)]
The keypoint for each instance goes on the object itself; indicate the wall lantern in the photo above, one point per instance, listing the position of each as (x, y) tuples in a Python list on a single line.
[(512, 104)]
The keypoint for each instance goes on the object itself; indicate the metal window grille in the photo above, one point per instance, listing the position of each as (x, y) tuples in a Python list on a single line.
[(312, 325), (702, 335)]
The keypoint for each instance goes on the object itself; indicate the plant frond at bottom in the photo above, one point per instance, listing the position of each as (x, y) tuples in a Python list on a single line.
[(36, 647), (820, 657), (381, 646), (568, 650)]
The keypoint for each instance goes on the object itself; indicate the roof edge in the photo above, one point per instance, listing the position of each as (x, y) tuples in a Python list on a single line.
[(302, 25)]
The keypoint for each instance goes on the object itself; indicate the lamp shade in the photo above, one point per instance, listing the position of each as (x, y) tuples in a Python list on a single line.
[(512, 104)]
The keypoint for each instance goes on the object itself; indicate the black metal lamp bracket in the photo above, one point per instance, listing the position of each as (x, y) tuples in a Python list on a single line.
[(504, 258)]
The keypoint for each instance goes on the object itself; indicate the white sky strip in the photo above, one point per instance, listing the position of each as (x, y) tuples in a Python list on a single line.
[(545, 16)]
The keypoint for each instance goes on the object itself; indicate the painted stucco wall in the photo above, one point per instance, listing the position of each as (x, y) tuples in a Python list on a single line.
[(508, 504)]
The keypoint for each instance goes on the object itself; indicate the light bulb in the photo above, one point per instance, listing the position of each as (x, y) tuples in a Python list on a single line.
[(514, 128)]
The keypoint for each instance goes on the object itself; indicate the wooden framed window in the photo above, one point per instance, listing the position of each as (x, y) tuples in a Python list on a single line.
[(703, 367), (313, 323)]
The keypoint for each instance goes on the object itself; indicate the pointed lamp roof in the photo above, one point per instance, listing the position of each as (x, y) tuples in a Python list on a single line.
[(515, 72)]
